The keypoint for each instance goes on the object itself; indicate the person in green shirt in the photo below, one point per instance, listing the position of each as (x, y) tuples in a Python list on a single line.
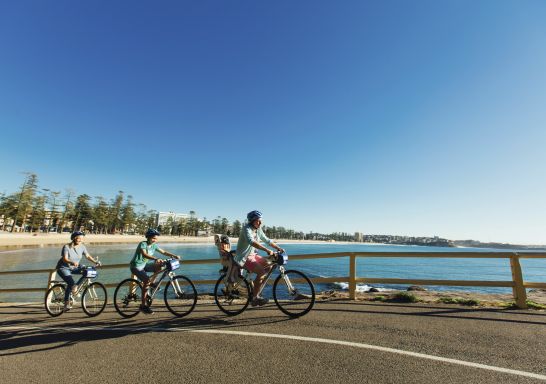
[(144, 261)]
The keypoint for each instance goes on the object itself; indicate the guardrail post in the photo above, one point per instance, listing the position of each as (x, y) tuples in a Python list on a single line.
[(352, 277), (520, 295)]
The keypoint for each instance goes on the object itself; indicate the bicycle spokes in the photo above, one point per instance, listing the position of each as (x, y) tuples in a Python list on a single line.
[(294, 293)]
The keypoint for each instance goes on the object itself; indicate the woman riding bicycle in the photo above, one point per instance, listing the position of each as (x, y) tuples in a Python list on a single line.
[(246, 257), (69, 264), (140, 264)]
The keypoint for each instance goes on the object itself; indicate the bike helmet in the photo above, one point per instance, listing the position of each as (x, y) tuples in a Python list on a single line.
[(254, 215), (151, 233), (76, 234)]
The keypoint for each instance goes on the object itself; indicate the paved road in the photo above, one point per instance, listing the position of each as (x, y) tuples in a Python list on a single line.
[(338, 342)]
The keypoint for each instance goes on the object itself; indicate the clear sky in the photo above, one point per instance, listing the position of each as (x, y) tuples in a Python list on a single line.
[(385, 117)]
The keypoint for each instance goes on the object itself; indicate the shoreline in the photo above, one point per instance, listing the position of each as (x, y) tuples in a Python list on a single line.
[(37, 240)]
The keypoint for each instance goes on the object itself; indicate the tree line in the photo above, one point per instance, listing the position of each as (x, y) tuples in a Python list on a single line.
[(35, 209)]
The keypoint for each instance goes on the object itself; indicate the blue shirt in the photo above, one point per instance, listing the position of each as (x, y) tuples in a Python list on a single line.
[(74, 254), (248, 235)]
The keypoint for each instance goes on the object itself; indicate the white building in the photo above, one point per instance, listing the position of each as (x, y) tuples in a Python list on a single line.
[(163, 217)]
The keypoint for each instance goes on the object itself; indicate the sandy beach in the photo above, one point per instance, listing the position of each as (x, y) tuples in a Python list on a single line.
[(26, 240), (45, 239)]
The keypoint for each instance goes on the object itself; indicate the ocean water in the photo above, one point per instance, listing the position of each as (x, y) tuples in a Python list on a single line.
[(407, 268)]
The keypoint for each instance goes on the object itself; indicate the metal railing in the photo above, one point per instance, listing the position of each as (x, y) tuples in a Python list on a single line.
[(517, 283)]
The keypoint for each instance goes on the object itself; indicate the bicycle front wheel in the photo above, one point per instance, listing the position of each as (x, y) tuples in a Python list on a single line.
[(294, 293), (128, 297), (232, 298), (94, 299), (180, 296), (54, 300)]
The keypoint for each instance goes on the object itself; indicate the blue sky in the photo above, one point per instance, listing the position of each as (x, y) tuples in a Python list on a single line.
[(411, 118)]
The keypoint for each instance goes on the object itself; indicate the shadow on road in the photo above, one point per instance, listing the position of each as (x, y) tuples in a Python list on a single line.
[(483, 314), (30, 329), (40, 332)]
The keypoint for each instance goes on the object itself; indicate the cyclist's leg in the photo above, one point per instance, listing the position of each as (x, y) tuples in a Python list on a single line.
[(78, 271), (260, 266), (66, 275), (141, 274)]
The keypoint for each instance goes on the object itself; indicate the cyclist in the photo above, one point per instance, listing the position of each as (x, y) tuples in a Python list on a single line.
[(246, 257), (69, 264), (144, 261)]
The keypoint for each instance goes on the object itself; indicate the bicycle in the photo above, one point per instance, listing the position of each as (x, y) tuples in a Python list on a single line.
[(180, 302), (293, 292), (93, 295)]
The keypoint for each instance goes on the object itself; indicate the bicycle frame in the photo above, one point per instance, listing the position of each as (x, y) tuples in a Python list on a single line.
[(274, 266), (153, 287)]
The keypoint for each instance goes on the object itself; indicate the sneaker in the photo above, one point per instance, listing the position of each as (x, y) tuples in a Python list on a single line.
[(147, 310), (259, 301), (67, 307)]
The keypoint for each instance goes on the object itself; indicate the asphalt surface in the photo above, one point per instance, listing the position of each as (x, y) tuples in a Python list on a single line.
[(337, 342)]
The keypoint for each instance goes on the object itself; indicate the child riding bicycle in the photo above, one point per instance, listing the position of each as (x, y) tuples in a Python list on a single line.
[(140, 266)]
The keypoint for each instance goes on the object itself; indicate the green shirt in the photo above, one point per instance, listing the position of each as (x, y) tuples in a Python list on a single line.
[(138, 259)]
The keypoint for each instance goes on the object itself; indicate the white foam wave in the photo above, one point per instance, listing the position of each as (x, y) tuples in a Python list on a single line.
[(359, 287)]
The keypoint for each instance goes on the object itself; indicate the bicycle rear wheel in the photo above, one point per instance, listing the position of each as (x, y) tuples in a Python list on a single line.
[(128, 297), (94, 299), (294, 293), (232, 298), (54, 300), (180, 296)]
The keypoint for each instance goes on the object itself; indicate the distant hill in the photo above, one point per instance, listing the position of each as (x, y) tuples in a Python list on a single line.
[(479, 244)]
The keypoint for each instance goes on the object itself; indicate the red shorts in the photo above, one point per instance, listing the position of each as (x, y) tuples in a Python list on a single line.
[(257, 264)]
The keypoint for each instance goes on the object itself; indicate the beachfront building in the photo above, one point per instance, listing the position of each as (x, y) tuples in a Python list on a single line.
[(359, 237), (164, 218)]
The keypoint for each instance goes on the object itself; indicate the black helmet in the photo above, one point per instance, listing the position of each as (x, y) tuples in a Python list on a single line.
[(151, 233), (76, 234), (251, 216)]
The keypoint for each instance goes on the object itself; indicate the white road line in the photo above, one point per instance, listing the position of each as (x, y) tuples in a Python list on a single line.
[(299, 338)]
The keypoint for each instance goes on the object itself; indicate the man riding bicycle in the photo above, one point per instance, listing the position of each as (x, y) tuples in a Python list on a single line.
[(140, 266), (246, 257)]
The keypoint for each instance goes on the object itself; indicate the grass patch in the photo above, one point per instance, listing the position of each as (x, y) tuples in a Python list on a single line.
[(459, 300), (405, 297), (530, 304), (378, 298)]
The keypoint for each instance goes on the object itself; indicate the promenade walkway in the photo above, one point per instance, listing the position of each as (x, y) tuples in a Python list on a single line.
[(338, 342)]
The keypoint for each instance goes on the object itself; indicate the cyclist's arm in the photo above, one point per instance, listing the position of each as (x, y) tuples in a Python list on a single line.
[(167, 253), (148, 256), (257, 245), (274, 245), (90, 258), (271, 243)]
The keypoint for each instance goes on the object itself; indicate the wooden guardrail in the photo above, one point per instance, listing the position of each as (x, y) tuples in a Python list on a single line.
[(517, 283)]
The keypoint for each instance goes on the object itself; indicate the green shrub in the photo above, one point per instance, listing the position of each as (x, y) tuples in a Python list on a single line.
[(405, 297), (378, 298), (530, 304), (458, 300), (533, 305)]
